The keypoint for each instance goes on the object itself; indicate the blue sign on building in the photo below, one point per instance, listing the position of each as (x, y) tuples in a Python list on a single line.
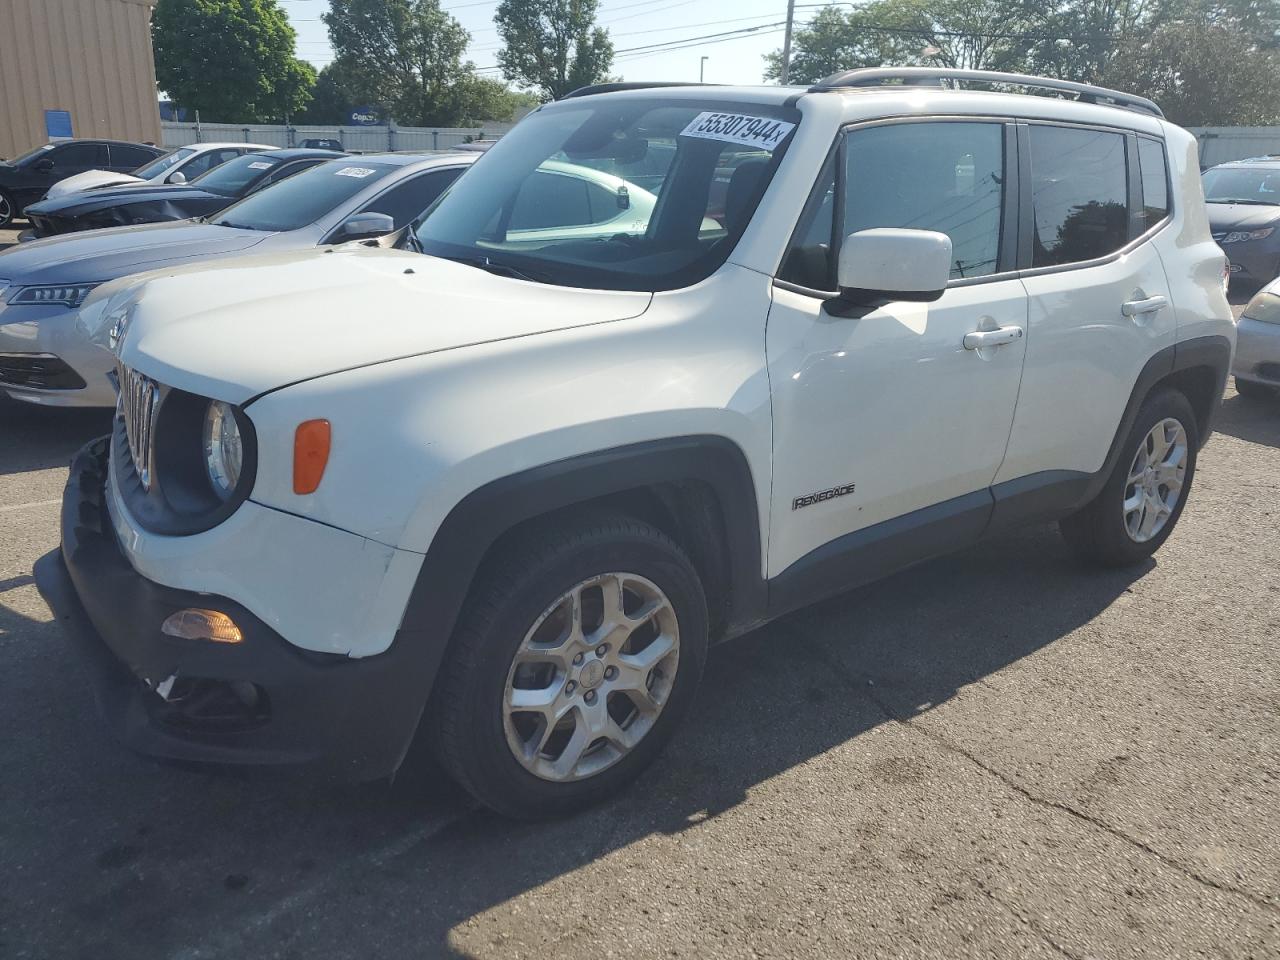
[(364, 117), (57, 123)]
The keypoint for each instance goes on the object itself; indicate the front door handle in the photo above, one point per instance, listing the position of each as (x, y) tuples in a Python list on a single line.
[(981, 339), (1136, 308)]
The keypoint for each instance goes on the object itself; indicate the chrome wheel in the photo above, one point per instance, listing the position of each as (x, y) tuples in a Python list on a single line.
[(591, 677), (1155, 480), (6, 209)]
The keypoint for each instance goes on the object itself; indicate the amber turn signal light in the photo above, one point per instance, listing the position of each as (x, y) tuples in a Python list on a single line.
[(310, 455)]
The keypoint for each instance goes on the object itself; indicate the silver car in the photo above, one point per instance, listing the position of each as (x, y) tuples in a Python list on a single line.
[(1257, 363), (46, 354)]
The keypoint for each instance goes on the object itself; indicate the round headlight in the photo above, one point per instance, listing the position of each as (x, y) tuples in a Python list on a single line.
[(223, 448)]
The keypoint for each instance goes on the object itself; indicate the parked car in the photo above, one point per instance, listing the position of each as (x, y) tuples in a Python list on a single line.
[(176, 166), (28, 178), (1257, 361), (322, 143), (46, 352), (507, 493), (153, 203), (1244, 214)]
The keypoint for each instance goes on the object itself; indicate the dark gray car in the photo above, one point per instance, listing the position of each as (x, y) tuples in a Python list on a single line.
[(1243, 200), (46, 355)]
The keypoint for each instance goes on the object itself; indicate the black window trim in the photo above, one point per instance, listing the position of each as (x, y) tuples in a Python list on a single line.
[(1018, 223), (1009, 213)]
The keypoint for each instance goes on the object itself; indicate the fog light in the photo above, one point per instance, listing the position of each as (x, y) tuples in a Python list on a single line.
[(202, 625)]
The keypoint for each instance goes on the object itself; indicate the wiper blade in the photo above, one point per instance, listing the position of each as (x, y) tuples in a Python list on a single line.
[(499, 269), (1252, 203)]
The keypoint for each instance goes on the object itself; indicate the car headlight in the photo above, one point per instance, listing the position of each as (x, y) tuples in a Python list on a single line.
[(66, 295), (1239, 236), (223, 448), (1264, 307)]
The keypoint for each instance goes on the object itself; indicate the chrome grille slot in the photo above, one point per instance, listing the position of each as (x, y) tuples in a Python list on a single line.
[(139, 404)]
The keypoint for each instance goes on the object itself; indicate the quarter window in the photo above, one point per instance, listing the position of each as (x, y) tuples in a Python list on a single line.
[(1155, 182), (1079, 189)]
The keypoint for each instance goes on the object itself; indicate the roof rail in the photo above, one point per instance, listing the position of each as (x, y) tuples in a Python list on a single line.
[(937, 76), (629, 85)]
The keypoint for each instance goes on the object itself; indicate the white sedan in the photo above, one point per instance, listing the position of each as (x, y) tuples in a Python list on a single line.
[(176, 166)]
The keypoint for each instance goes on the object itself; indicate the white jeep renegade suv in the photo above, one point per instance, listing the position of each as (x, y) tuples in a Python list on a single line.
[(507, 482)]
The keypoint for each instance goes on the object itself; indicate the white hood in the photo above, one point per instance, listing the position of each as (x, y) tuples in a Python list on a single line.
[(88, 181), (233, 329)]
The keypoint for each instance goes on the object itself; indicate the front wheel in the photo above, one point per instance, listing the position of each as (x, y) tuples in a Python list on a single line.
[(1139, 505), (578, 655)]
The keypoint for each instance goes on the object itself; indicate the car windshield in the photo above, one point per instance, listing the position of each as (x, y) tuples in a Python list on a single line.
[(160, 164), (1242, 185), (45, 148), (305, 197), (617, 193), (232, 177)]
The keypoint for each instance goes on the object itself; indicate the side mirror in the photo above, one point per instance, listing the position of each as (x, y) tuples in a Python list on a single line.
[(364, 226), (176, 177), (888, 263), (44, 165)]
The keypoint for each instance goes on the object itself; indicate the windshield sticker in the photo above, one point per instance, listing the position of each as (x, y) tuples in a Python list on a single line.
[(739, 128), (358, 172), (259, 165)]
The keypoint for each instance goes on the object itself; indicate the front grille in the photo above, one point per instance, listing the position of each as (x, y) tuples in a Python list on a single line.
[(38, 371), (139, 404)]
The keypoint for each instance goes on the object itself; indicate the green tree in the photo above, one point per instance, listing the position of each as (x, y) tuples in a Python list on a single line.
[(233, 60), (552, 46), (1201, 74), (406, 55)]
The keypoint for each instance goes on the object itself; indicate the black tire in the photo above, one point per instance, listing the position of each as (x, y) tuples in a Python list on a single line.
[(466, 711), (1097, 533), (1252, 390), (8, 210)]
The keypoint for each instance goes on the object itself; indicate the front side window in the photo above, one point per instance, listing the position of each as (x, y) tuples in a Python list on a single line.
[(623, 194), (1242, 185), (405, 202), (1080, 193), (80, 155), (166, 162), (304, 197)]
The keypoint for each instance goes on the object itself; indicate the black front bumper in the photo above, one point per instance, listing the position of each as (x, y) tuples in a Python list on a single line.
[(263, 701)]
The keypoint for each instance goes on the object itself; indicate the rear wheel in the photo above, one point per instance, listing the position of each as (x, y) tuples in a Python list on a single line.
[(576, 659), (7, 210), (1139, 505), (1252, 390)]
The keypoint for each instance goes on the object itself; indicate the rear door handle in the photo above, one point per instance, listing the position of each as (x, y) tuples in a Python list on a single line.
[(1136, 308), (981, 339)]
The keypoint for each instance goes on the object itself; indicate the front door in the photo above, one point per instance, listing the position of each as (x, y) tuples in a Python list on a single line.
[(889, 419)]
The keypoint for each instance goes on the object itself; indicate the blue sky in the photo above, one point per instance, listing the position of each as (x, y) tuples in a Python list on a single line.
[(631, 23)]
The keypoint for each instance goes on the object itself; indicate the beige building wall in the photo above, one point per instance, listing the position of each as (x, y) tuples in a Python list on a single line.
[(91, 57)]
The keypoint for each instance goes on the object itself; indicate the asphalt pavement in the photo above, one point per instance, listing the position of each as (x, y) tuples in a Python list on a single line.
[(997, 754)]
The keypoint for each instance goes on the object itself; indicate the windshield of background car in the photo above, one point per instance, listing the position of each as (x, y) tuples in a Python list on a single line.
[(305, 197), (233, 176), (614, 192), (1228, 184), (161, 164)]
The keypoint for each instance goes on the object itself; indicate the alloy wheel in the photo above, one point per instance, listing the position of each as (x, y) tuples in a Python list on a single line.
[(1156, 477), (6, 209), (591, 677)]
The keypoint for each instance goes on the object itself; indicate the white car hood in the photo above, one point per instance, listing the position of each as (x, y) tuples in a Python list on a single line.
[(88, 180), (233, 329)]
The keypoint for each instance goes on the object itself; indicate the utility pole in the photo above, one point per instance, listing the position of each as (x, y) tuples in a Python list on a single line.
[(702, 65), (786, 43)]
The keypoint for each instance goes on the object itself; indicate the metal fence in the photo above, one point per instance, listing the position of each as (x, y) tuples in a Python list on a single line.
[(1221, 144), (352, 138)]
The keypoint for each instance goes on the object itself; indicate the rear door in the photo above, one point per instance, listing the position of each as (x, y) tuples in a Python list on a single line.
[(1098, 298)]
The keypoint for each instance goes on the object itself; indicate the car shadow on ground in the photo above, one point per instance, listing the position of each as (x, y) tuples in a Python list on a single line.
[(1255, 419), (148, 858), (37, 438)]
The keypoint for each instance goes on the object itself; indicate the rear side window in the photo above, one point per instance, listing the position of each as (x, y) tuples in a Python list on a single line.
[(131, 157), (1079, 189), (1155, 182)]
